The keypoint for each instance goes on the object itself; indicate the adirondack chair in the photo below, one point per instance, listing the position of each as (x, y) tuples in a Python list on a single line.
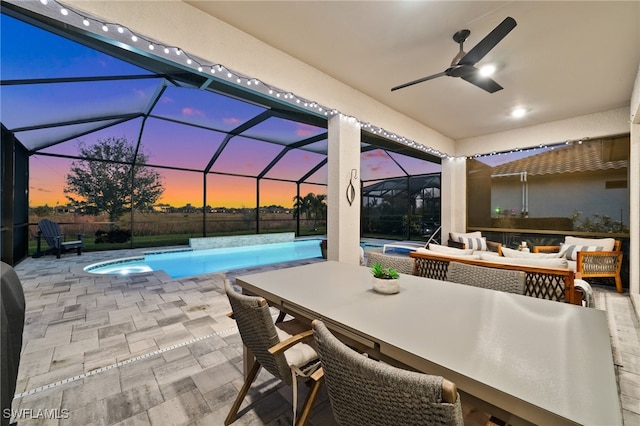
[(50, 231)]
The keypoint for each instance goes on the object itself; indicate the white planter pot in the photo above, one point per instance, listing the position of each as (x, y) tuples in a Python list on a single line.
[(385, 286)]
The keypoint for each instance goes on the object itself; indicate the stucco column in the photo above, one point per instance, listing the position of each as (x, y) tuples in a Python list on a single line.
[(634, 217), (343, 219), (453, 196)]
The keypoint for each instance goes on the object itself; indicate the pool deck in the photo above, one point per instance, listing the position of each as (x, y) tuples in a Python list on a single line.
[(147, 349)]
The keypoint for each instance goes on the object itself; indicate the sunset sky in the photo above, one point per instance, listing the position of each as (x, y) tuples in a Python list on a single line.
[(31, 53)]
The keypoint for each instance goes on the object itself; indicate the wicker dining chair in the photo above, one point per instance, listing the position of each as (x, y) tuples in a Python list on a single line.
[(510, 281), (279, 348), (402, 264), (371, 393)]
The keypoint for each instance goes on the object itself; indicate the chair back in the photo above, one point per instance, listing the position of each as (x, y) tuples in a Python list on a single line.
[(367, 392), (258, 331), (402, 264), (50, 231), (510, 281), (12, 309)]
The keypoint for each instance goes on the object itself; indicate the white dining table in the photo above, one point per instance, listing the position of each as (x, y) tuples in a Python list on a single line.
[(522, 359)]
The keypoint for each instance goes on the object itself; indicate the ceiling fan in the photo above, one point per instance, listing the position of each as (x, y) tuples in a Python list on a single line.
[(463, 64)]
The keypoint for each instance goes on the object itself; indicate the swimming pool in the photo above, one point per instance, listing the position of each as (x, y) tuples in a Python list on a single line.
[(178, 264)]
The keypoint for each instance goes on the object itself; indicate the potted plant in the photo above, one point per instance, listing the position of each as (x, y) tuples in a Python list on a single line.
[(385, 280)]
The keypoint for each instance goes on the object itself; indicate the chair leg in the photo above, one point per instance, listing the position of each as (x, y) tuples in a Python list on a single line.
[(619, 284), (281, 316), (308, 403), (38, 239), (231, 417)]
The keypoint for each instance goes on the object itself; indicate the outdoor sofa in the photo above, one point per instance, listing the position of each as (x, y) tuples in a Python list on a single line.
[(590, 257), (545, 278)]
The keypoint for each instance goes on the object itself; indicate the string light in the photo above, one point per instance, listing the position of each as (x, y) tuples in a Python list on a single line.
[(200, 66), (527, 150)]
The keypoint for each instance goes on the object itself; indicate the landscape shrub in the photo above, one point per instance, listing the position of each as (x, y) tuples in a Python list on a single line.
[(116, 235)]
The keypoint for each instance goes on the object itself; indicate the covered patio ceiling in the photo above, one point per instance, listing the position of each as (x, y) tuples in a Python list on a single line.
[(60, 87)]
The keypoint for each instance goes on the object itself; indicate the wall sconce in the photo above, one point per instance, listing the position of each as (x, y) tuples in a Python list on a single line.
[(351, 190)]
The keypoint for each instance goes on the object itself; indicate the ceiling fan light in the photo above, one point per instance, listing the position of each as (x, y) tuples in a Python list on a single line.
[(487, 70), (518, 112)]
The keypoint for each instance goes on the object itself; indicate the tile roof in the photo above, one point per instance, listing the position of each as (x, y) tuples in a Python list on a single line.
[(574, 158)]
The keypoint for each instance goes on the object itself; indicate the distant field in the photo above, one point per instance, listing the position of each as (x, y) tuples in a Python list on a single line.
[(165, 229)]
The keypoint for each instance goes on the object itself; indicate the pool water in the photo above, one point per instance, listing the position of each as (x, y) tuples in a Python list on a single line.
[(178, 264)]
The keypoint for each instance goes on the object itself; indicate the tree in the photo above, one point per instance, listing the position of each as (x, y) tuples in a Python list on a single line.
[(42, 211), (318, 206), (301, 206), (312, 206), (105, 180)]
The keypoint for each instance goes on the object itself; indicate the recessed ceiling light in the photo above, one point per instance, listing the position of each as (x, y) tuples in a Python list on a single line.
[(487, 70), (518, 112)]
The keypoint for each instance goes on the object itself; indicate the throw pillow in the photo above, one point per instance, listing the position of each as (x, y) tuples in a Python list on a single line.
[(449, 250), (557, 263), (571, 251), (606, 243), (455, 236), (507, 252), (474, 243), (456, 256)]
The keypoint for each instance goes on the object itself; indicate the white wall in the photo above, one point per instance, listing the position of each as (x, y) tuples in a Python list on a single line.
[(562, 195)]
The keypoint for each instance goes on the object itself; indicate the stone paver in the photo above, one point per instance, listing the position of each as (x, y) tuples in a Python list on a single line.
[(150, 350)]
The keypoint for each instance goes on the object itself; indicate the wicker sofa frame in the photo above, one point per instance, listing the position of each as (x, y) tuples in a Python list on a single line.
[(544, 283), (595, 264)]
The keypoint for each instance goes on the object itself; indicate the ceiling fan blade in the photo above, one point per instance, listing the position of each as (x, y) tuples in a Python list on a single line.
[(489, 42), (482, 82), (420, 80)]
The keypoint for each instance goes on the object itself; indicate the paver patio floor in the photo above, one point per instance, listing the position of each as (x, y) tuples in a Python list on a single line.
[(147, 349)]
